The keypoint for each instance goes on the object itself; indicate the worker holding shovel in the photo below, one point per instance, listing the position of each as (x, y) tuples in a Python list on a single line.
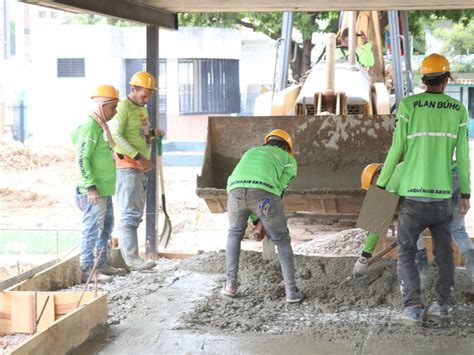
[(96, 181), (456, 227), (132, 136), (256, 186)]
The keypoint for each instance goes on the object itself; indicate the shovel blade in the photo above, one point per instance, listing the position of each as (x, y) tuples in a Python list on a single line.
[(166, 233)]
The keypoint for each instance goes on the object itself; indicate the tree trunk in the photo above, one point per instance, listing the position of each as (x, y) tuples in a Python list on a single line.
[(302, 59)]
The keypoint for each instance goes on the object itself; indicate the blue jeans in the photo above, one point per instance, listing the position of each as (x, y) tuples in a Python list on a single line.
[(98, 222), (131, 196), (457, 227)]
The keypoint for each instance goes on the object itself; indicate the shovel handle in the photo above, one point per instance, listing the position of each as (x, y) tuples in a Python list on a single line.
[(159, 160)]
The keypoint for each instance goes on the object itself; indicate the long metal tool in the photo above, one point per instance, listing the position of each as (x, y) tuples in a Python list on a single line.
[(167, 227), (376, 257)]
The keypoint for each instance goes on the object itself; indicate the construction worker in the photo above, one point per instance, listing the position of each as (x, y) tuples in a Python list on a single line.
[(256, 186), (364, 54), (132, 134), (456, 227), (430, 127), (96, 181)]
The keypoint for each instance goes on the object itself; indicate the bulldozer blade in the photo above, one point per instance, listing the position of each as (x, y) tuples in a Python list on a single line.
[(166, 233), (331, 152)]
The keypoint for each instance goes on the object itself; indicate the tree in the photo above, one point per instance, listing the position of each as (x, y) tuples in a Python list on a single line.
[(92, 19)]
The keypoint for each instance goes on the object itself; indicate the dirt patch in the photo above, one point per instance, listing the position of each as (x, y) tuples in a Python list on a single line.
[(333, 308), (15, 156), (12, 198)]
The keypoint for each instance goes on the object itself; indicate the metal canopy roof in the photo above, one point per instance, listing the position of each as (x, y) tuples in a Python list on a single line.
[(163, 12)]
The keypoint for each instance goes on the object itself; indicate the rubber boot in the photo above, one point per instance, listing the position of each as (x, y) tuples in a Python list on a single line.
[(129, 248), (421, 261), (469, 262)]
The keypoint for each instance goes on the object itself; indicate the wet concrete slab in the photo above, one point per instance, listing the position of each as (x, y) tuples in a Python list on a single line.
[(155, 326)]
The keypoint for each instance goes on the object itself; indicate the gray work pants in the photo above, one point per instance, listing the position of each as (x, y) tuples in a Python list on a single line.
[(413, 218), (269, 209)]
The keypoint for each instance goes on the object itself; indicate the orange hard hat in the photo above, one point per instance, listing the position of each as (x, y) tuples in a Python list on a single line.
[(435, 64), (368, 174), (282, 135), (143, 79), (106, 91)]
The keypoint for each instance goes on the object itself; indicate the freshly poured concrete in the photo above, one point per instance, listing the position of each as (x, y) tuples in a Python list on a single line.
[(185, 314)]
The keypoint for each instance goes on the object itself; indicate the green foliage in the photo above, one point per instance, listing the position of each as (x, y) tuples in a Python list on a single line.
[(458, 40), (92, 19), (268, 23), (418, 21)]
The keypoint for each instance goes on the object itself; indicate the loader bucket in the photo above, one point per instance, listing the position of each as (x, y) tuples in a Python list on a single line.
[(331, 152)]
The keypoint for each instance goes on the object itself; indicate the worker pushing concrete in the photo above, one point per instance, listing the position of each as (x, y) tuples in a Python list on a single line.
[(456, 227), (256, 186), (132, 134), (430, 127), (96, 181)]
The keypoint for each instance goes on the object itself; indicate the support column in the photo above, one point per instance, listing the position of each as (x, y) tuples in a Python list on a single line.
[(284, 56), (407, 54), (153, 113), (395, 52)]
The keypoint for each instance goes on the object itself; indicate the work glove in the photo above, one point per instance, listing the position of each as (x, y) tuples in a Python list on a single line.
[(93, 197), (360, 267)]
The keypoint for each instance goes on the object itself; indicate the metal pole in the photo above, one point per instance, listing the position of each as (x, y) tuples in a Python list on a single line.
[(396, 60), (152, 106), (22, 122), (352, 38), (407, 54), (286, 30)]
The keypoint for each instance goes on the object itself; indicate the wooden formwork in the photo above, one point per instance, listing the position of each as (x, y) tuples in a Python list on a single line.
[(57, 321), (458, 259)]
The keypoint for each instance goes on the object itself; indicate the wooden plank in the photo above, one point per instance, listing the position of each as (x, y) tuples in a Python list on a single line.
[(44, 310), (377, 210), (26, 275), (5, 313), (70, 331), (66, 302), (60, 276), (23, 312)]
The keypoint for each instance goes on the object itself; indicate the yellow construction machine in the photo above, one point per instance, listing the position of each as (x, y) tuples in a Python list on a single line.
[(340, 121)]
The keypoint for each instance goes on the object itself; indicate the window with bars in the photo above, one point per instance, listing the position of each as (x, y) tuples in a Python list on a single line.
[(208, 86), (71, 67)]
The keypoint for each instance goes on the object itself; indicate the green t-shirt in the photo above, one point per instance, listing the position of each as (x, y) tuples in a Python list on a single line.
[(430, 128), (130, 129), (267, 168), (364, 54), (94, 160)]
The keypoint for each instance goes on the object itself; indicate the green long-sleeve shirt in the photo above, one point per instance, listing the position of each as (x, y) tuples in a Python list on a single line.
[(364, 54), (430, 128), (94, 160), (130, 129), (267, 168)]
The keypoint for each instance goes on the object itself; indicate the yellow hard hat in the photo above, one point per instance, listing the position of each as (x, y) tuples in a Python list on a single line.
[(143, 79), (434, 64), (106, 91), (368, 174), (283, 135)]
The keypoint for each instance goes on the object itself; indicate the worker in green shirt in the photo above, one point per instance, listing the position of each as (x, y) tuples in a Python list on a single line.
[(430, 128), (256, 186), (96, 181), (132, 135), (364, 54), (456, 227)]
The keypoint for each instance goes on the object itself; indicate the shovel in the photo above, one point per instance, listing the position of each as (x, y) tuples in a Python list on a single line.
[(167, 228)]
